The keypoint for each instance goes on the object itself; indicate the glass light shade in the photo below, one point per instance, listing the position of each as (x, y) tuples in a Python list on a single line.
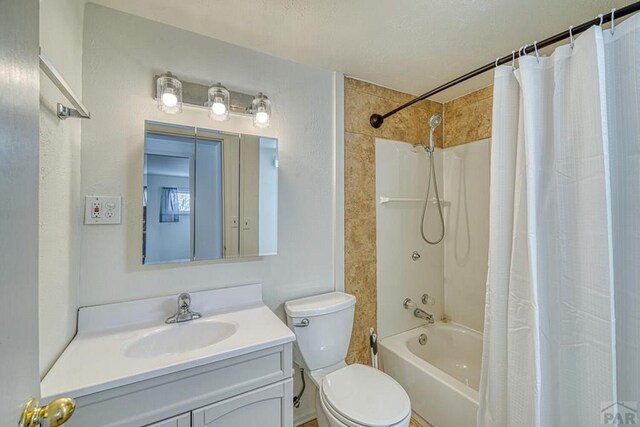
[(169, 92), (218, 102), (261, 110)]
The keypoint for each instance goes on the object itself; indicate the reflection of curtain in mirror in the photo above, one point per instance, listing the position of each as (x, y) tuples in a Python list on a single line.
[(169, 207)]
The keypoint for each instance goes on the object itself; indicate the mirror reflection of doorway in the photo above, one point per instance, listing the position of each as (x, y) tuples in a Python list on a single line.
[(167, 209)]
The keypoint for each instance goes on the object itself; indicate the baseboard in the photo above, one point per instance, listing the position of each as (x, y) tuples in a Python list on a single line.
[(304, 418), (418, 419)]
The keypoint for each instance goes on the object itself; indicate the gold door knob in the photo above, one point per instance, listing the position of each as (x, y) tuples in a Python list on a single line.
[(56, 412)]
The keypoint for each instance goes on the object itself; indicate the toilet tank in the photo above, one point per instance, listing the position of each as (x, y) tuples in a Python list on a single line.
[(323, 338)]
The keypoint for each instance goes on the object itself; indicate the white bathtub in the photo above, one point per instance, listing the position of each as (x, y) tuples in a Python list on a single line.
[(441, 376)]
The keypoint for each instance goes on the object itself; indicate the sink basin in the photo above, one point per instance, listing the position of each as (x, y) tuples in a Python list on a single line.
[(180, 338)]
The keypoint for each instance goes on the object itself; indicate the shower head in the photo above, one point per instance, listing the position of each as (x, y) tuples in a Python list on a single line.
[(435, 121)]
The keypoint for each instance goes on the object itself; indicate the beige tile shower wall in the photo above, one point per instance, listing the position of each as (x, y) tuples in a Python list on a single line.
[(468, 118), (361, 100)]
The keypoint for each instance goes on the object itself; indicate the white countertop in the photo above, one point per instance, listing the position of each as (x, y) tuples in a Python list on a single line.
[(94, 361)]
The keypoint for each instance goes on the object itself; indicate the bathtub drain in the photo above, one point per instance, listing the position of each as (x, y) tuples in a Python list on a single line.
[(423, 339)]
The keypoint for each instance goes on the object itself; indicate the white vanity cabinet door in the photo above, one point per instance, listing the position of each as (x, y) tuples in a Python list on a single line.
[(270, 406), (183, 420)]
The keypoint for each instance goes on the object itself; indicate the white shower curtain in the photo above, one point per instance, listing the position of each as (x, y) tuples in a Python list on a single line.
[(562, 320)]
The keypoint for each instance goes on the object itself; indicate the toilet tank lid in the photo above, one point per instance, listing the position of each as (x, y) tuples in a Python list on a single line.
[(319, 304)]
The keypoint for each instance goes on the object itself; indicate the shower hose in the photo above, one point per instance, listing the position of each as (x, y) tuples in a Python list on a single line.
[(432, 175)]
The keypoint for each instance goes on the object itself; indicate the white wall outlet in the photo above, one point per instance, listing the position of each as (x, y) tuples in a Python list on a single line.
[(102, 210), (96, 209)]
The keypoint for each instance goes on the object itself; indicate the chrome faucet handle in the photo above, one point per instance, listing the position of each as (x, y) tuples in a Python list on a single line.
[(184, 301), (184, 313), (428, 299), (408, 304)]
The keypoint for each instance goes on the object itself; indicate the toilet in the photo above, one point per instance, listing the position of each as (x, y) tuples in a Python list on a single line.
[(348, 395)]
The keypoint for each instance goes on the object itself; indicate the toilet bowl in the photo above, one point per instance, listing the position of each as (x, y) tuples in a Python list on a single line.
[(348, 395), (359, 395)]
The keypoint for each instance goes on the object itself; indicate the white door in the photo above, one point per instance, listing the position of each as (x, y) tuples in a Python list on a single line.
[(19, 98)]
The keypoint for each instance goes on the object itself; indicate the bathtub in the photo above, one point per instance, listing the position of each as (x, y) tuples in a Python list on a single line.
[(440, 376)]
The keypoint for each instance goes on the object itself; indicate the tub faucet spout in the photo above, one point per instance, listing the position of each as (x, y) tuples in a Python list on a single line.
[(421, 314)]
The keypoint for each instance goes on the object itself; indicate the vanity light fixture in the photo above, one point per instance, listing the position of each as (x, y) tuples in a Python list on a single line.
[(169, 93), (218, 102), (261, 110)]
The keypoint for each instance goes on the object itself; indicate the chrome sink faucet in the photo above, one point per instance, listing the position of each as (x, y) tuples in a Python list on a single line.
[(184, 313), (421, 314)]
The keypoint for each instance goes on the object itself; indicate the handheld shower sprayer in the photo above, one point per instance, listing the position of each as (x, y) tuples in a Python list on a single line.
[(434, 122)]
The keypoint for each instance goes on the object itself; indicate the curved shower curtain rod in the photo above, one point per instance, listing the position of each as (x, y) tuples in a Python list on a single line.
[(376, 120)]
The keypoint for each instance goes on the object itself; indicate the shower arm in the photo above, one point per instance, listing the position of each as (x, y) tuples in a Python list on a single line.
[(376, 120)]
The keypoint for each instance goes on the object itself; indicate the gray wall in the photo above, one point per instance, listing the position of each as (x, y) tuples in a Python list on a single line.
[(122, 53), (61, 201)]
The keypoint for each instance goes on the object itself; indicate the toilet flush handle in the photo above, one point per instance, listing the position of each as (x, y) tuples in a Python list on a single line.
[(303, 323)]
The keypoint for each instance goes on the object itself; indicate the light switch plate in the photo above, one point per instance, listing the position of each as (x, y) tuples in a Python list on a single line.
[(102, 210)]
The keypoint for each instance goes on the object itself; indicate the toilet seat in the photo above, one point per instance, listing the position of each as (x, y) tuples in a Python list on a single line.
[(359, 395)]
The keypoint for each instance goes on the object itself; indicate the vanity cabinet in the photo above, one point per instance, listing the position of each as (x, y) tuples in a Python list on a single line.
[(254, 389), (260, 408), (183, 420)]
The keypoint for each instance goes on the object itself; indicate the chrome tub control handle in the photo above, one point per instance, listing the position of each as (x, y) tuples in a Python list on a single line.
[(303, 323)]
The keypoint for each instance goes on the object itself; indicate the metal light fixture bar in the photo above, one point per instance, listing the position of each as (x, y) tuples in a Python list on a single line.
[(196, 95)]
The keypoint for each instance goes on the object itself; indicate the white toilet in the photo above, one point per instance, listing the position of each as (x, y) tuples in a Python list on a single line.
[(348, 395)]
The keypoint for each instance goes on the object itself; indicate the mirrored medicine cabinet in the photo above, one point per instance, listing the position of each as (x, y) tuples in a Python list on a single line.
[(208, 194)]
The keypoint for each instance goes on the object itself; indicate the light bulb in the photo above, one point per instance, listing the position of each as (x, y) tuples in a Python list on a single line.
[(261, 110), (169, 94), (169, 99), (262, 117), (218, 102), (218, 108)]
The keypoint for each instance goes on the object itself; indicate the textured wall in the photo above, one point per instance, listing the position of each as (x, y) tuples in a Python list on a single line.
[(468, 118), (361, 100), (134, 49), (60, 209)]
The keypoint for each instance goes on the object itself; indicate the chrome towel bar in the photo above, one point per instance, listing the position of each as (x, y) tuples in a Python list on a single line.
[(64, 112)]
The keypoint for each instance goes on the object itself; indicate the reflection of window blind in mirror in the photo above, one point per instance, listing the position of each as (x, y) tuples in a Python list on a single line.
[(184, 201)]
